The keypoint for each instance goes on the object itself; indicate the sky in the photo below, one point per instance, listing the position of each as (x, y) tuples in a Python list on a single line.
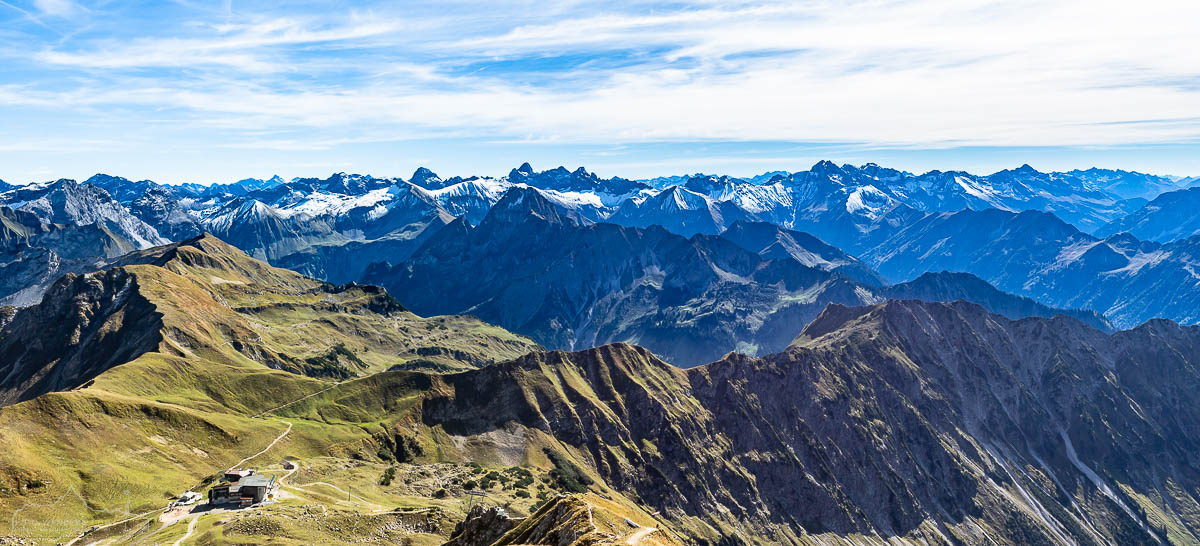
[(191, 91)]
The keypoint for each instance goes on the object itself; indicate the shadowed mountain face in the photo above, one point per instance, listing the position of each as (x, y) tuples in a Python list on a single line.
[(537, 268), (773, 242), (543, 270), (1169, 217), (84, 325), (928, 422), (946, 286), (1037, 255)]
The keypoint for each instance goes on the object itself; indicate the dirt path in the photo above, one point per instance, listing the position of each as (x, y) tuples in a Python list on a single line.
[(277, 408), (265, 449), (176, 518), (637, 536), (295, 467), (191, 529), (239, 463)]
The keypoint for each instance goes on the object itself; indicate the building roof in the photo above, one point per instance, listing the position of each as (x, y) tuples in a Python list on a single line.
[(257, 480)]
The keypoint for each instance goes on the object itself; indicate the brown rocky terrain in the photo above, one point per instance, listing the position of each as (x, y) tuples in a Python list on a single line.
[(936, 423)]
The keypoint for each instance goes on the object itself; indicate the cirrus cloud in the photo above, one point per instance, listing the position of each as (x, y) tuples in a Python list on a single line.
[(906, 73)]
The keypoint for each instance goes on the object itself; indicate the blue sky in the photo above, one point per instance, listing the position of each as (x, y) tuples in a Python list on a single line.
[(190, 91)]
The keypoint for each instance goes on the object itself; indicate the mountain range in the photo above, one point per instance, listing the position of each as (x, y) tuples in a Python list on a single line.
[(545, 271), (1168, 217), (1037, 255), (898, 225), (900, 421)]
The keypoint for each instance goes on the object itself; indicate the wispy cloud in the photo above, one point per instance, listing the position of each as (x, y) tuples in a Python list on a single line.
[(250, 48), (905, 73), (57, 8)]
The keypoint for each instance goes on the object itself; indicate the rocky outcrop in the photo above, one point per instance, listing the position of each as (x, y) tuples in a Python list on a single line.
[(483, 526), (85, 325), (575, 520)]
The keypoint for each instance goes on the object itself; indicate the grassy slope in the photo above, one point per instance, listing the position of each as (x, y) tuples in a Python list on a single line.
[(143, 431)]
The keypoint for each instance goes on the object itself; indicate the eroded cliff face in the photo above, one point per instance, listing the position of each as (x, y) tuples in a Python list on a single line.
[(928, 422), (85, 325)]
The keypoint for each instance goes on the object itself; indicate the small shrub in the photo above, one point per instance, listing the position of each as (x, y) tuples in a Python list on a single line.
[(566, 476), (388, 475)]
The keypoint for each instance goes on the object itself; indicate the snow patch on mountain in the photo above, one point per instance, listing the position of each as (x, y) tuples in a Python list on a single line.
[(1072, 253), (570, 199), (336, 204), (226, 217), (982, 192), (677, 199), (868, 201), (1141, 260)]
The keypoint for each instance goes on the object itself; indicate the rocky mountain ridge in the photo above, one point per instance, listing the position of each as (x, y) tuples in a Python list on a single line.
[(910, 421)]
